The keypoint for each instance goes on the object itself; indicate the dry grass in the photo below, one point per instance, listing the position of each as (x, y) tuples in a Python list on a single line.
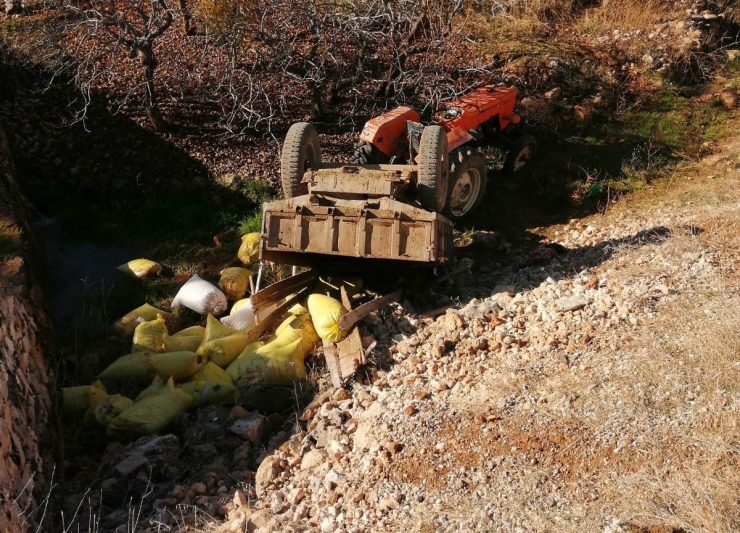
[(625, 15), (688, 476), (543, 16), (677, 383)]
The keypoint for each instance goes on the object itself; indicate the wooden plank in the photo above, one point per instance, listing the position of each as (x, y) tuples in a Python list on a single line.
[(267, 314), (343, 358), (351, 354), (332, 363), (283, 288), (355, 315)]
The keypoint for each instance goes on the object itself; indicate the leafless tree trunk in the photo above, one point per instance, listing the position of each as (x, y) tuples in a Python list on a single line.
[(136, 26), (149, 62), (187, 18)]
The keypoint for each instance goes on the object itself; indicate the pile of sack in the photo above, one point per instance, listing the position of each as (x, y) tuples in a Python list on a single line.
[(201, 365)]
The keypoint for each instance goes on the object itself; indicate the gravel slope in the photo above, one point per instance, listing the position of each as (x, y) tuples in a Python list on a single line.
[(593, 393)]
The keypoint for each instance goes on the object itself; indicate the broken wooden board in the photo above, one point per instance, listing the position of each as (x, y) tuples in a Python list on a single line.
[(269, 299), (271, 314), (343, 358), (357, 314)]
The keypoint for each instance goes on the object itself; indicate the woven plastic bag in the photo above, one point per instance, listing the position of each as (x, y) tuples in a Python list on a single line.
[(183, 343), (152, 414), (249, 251), (126, 325), (156, 386), (239, 305), (297, 327), (325, 314), (132, 367), (201, 296), (211, 385), (141, 268), (106, 410), (77, 400), (178, 365), (223, 351), (242, 319), (272, 364), (204, 393), (149, 336), (234, 282), (192, 331), (236, 368), (216, 330)]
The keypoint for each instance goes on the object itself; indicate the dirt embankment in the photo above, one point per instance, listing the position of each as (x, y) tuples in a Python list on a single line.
[(25, 402)]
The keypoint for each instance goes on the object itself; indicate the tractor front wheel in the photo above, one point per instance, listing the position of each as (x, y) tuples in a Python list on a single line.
[(467, 183), (433, 163), (520, 153), (301, 151)]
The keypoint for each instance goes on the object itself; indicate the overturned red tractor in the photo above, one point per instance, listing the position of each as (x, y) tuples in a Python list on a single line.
[(369, 207)]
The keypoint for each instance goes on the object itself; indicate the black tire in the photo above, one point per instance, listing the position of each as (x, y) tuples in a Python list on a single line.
[(366, 154), (433, 168), (520, 153), (301, 152), (467, 183)]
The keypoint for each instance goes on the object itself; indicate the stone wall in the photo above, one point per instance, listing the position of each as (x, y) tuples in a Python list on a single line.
[(25, 402)]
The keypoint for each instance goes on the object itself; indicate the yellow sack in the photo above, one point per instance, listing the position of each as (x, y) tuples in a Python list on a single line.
[(133, 367), (212, 373), (223, 351), (272, 365), (126, 325), (152, 414), (178, 365), (192, 331), (106, 410), (325, 314), (141, 268), (234, 282), (149, 336), (173, 343), (216, 330), (211, 385), (204, 393), (238, 305), (298, 327), (298, 310), (77, 400), (249, 251), (234, 370), (156, 386)]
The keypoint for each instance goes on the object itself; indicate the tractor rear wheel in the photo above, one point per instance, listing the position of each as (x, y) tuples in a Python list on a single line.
[(433, 163), (467, 183), (521, 152), (301, 151)]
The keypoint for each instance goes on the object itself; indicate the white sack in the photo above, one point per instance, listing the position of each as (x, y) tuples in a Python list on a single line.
[(201, 296), (242, 319)]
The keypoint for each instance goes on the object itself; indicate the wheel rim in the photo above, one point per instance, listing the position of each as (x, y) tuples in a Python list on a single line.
[(465, 192), (523, 157)]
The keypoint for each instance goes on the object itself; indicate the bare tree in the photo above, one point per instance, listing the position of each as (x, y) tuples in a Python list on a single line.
[(135, 25)]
